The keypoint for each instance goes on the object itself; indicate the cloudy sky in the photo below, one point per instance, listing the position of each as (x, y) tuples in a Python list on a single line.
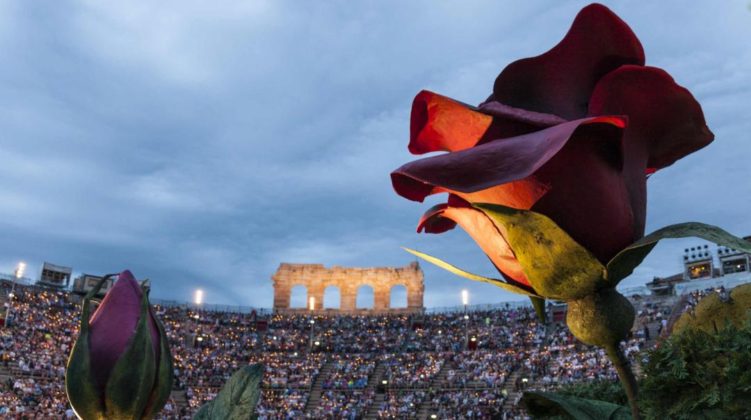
[(202, 143)]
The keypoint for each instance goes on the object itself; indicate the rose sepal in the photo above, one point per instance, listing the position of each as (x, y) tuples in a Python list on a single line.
[(556, 266), (502, 283), (624, 263), (164, 373), (538, 302), (129, 386), (79, 383)]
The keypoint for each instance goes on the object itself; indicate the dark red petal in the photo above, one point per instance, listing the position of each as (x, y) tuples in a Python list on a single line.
[(665, 124), (113, 324), (434, 222), (588, 196), (488, 236), (663, 117), (561, 80), (490, 165), (507, 112)]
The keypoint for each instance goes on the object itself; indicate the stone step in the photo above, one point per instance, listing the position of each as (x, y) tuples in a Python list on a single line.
[(510, 387), (372, 412), (376, 376), (317, 388)]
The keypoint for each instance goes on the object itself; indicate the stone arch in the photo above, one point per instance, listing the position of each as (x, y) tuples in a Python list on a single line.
[(298, 296), (332, 297), (348, 280), (398, 297)]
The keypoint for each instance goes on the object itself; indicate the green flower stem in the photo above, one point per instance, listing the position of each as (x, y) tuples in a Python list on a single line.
[(626, 375)]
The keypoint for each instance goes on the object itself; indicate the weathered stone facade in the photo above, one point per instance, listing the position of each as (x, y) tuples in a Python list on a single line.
[(316, 278)]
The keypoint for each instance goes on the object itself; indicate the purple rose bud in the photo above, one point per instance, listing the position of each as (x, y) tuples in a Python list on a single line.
[(120, 366), (114, 323)]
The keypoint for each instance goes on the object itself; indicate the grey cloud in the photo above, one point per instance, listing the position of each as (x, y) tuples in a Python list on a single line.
[(200, 146)]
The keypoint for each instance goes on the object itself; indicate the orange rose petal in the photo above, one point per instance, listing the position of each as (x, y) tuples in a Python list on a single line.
[(488, 236), (522, 194), (439, 123)]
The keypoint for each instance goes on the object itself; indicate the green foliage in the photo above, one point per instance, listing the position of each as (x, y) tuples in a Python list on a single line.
[(603, 390), (696, 374)]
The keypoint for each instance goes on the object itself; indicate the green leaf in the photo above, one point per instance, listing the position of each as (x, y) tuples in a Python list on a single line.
[(132, 378), (623, 264), (466, 274), (80, 387), (548, 404), (204, 412), (556, 266), (237, 399), (539, 304)]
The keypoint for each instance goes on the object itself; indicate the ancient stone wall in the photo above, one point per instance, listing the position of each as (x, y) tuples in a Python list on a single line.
[(316, 278)]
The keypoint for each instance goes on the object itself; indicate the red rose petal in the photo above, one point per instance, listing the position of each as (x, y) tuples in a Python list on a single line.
[(561, 80), (665, 124), (537, 119), (588, 196), (663, 116), (490, 166)]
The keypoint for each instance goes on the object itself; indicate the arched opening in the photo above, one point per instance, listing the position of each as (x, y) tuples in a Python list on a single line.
[(365, 297), (398, 296), (298, 297), (331, 297)]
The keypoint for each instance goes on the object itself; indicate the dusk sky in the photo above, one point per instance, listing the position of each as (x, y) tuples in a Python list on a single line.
[(200, 144)]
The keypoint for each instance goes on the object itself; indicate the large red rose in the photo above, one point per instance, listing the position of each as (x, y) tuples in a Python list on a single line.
[(571, 134)]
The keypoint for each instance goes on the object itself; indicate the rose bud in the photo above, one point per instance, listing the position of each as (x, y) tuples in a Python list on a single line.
[(120, 366)]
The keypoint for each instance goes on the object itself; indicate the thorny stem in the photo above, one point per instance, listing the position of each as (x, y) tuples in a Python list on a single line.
[(626, 375)]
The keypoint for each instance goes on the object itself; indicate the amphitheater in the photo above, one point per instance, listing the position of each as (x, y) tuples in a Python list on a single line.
[(470, 363)]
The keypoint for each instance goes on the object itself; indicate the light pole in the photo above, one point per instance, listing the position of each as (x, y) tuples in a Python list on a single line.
[(465, 302), (198, 297), (18, 274), (312, 307)]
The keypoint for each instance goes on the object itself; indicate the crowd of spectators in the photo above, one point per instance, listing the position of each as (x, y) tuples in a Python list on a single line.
[(412, 370), (282, 404), (466, 404), (401, 404), (481, 368), (350, 370), (335, 405), (25, 396), (455, 363)]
